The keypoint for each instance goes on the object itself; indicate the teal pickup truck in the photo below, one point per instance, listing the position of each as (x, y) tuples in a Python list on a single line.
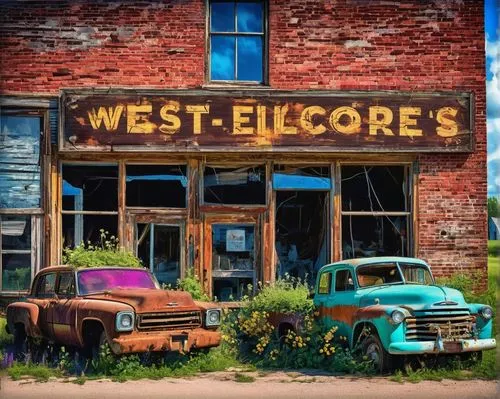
[(391, 306)]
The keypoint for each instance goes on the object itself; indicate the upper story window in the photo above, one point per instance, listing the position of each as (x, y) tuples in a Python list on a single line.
[(237, 41)]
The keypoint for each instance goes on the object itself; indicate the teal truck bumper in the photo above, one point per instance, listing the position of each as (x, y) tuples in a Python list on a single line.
[(461, 346)]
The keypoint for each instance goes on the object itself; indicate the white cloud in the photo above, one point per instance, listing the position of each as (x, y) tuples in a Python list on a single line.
[(493, 97)]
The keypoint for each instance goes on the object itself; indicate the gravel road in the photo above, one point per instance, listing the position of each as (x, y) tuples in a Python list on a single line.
[(272, 385)]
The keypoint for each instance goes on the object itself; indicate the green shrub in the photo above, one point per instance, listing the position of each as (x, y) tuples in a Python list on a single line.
[(465, 283), (191, 284), (106, 253), (494, 248), (286, 295)]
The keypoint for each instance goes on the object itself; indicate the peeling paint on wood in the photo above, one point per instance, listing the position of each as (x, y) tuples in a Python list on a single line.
[(265, 120)]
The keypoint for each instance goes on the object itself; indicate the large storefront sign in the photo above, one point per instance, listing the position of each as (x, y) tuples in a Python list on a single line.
[(189, 120)]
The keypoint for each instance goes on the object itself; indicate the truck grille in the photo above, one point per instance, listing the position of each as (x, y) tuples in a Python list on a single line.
[(169, 321), (452, 327)]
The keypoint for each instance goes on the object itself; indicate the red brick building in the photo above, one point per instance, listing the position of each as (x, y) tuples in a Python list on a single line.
[(245, 139)]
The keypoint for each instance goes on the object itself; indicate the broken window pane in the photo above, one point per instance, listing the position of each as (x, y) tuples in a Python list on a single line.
[(365, 236), (90, 187), (20, 161), (87, 228), (287, 177), (159, 248), (301, 233), (156, 186), (374, 188), (244, 185)]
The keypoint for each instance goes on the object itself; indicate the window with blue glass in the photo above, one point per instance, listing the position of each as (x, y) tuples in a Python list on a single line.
[(237, 41)]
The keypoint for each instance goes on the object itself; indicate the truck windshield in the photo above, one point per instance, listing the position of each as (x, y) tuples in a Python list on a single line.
[(378, 274), (416, 274), (388, 273), (98, 280)]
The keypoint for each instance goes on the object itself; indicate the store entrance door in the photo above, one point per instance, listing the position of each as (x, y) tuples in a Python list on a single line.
[(232, 254)]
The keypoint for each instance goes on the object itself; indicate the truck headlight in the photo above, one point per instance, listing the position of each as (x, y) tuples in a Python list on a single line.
[(486, 312), (124, 321), (398, 317), (212, 317)]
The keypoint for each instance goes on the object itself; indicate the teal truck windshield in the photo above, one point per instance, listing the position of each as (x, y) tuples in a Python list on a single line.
[(388, 273)]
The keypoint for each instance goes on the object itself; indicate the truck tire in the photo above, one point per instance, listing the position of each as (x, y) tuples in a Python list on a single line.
[(374, 351), (21, 344)]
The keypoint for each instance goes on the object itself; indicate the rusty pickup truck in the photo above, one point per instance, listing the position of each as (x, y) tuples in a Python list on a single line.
[(124, 307)]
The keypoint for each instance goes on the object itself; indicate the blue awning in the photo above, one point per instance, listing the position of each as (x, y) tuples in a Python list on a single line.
[(297, 182)]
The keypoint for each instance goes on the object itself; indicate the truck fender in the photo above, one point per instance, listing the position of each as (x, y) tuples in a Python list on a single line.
[(24, 313)]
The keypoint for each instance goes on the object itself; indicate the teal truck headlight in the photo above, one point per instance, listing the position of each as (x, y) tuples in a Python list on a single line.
[(124, 321), (398, 317), (213, 318), (486, 312)]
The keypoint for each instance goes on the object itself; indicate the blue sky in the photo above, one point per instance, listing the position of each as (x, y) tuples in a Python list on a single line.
[(492, 27)]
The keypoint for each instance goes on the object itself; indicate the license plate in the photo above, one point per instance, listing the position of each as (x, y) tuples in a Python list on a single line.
[(453, 347)]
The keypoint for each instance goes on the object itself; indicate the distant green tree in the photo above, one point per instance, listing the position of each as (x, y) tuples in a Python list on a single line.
[(493, 207)]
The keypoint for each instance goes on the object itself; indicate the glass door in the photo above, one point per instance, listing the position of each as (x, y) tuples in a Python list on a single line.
[(160, 247)]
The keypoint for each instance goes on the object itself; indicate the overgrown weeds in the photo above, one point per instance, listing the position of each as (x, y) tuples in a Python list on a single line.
[(105, 253)]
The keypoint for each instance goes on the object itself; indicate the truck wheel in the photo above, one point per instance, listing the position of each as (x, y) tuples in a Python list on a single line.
[(21, 344), (374, 351), (96, 347)]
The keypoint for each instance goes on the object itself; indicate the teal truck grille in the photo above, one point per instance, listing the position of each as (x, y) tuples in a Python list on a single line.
[(450, 327), (169, 321)]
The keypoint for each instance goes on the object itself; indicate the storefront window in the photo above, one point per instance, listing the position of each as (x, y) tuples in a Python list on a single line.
[(156, 186), (16, 259), (159, 248), (233, 260), (302, 213), (375, 211), (245, 185), (90, 203)]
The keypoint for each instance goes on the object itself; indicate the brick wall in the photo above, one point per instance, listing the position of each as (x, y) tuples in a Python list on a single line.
[(409, 45)]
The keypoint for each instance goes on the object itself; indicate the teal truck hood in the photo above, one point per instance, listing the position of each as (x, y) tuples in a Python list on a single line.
[(417, 297)]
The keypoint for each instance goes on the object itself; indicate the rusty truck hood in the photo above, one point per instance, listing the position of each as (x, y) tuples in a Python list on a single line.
[(148, 300)]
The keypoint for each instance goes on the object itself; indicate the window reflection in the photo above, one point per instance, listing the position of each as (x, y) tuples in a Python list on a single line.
[(236, 41)]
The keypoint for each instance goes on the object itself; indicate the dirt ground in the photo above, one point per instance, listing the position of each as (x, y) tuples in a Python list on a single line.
[(268, 386)]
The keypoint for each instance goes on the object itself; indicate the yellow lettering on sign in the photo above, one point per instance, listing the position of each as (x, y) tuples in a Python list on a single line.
[(376, 123), (261, 120), (238, 119), (354, 124), (279, 121), (173, 120), (405, 120), (137, 123), (110, 117), (197, 110), (306, 120), (445, 116)]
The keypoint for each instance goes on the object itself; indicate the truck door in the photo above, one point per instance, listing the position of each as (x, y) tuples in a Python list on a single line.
[(63, 310)]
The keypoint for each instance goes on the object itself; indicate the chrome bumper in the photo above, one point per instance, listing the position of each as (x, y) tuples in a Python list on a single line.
[(461, 346)]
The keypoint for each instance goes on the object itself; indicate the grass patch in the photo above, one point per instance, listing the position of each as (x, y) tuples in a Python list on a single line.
[(39, 372), (239, 377)]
